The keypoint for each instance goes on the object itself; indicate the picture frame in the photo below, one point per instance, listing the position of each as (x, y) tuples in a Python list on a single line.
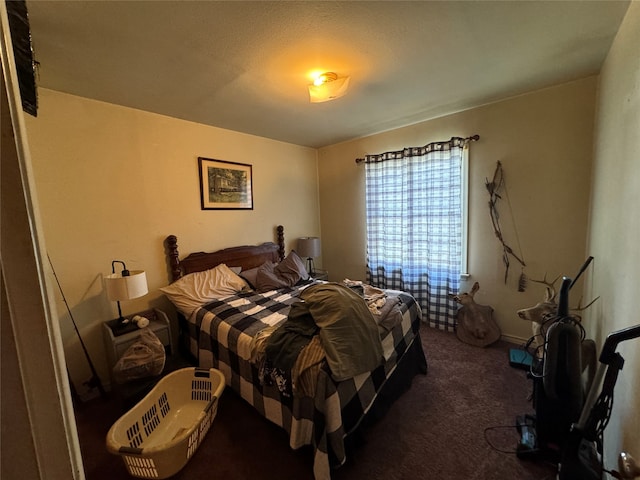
[(225, 185)]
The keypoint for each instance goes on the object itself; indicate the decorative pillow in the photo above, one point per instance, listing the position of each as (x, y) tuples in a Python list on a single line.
[(287, 273), (251, 276), (267, 278), (196, 289), (292, 269)]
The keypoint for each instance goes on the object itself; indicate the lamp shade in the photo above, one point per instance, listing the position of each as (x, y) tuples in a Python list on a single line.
[(309, 247), (127, 287)]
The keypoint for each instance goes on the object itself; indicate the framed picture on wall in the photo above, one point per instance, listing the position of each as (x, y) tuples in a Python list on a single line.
[(225, 185)]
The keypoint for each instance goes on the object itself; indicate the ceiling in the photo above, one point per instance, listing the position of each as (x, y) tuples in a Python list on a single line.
[(245, 66)]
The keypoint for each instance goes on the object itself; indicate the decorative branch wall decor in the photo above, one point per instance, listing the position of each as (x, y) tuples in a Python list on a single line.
[(493, 187)]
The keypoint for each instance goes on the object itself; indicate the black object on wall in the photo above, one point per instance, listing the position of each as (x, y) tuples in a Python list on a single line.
[(23, 53)]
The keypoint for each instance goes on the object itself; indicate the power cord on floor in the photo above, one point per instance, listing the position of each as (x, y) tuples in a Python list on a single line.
[(499, 427), (512, 452), (613, 473)]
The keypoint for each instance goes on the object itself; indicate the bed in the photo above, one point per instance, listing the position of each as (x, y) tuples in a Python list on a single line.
[(313, 403)]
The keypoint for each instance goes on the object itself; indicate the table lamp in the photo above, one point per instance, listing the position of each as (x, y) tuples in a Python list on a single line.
[(309, 247), (125, 285)]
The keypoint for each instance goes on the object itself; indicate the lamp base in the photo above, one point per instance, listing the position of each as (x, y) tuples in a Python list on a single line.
[(311, 268)]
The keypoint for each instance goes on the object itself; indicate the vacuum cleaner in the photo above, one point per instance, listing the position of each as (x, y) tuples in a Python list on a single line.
[(568, 426), (558, 394)]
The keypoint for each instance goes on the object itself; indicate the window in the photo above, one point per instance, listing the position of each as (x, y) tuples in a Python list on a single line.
[(416, 203)]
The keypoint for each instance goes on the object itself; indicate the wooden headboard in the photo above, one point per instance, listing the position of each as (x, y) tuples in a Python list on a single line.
[(246, 256)]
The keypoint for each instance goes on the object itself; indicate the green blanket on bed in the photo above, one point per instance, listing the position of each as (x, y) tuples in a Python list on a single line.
[(347, 329)]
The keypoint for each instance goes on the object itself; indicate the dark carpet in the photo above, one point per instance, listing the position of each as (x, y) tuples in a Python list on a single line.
[(456, 422)]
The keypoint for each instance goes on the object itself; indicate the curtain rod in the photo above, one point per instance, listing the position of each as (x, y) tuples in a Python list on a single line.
[(472, 138)]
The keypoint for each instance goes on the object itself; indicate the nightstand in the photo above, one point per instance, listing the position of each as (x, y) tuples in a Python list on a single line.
[(320, 275), (116, 343)]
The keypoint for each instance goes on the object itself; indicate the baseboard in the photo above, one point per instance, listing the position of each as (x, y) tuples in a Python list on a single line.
[(514, 339)]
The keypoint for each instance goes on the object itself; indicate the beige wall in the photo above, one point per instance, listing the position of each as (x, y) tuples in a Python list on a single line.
[(615, 226), (113, 182), (543, 140)]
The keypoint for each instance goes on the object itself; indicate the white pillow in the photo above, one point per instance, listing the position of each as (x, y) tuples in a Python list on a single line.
[(199, 288)]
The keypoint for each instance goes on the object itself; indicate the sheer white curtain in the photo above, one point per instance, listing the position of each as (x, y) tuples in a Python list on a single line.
[(415, 225)]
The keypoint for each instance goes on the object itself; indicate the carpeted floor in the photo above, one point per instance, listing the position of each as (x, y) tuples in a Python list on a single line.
[(436, 430)]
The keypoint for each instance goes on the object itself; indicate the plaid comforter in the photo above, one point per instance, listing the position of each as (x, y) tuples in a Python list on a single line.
[(221, 338)]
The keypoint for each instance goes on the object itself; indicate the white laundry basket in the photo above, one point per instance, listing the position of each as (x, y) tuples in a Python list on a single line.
[(158, 436)]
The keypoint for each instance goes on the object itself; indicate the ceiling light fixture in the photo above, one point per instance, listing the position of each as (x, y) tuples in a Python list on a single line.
[(327, 86)]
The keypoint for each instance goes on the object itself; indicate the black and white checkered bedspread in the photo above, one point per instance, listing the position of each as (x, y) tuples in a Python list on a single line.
[(222, 332)]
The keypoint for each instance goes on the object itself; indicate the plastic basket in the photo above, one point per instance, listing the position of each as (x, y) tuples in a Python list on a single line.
[(158, 436)]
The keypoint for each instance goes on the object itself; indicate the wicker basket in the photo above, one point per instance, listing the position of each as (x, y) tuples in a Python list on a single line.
[(158, 436)]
